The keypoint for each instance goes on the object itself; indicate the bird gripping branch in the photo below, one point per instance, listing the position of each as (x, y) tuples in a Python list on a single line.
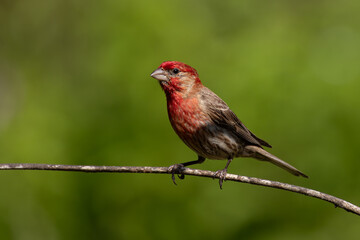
[(205, 123)]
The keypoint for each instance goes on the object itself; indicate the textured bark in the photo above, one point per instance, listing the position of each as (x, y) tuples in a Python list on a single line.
[(187, 171)]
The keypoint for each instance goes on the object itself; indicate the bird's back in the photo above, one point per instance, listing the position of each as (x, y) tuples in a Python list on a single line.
[(222, 116)]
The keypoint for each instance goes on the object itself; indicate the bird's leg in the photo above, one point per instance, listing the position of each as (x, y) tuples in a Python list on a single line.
[(178, 168), (222, 173)]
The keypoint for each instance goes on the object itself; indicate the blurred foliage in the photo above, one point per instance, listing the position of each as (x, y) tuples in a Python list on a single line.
[(75, 89)]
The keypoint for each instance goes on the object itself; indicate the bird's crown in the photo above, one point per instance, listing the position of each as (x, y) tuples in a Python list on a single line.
[(169, 65)]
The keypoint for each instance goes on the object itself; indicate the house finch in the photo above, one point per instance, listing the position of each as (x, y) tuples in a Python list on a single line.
[(205, 123)]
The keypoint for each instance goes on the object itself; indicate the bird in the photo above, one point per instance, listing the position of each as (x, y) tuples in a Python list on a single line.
[(206, 124)]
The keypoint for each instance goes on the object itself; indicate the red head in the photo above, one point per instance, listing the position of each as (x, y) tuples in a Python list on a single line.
[(176, 76)]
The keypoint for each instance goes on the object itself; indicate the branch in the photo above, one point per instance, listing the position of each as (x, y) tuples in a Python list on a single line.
[(187, 171)]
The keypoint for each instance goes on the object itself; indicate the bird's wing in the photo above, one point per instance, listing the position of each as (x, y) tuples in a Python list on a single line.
[(221, 115)]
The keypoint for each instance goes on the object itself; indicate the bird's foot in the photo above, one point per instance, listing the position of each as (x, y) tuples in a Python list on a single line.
[(176, 169), (221, 174)]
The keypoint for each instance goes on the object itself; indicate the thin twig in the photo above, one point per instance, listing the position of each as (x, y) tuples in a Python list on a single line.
[(187, 171)]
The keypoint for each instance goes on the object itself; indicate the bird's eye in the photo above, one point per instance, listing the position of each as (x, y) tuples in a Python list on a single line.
[(175, 70)]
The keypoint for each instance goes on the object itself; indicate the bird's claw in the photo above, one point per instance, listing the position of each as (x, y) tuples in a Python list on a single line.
[(221, 174), (176, 169)]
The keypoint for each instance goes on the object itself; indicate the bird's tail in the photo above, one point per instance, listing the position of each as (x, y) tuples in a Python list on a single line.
[(263, 155)]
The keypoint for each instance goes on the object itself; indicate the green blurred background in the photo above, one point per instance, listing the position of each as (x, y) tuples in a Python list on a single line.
[(75, 89)]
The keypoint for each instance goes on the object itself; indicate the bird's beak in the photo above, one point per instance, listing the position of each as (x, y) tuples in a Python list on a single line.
[(160, 75)]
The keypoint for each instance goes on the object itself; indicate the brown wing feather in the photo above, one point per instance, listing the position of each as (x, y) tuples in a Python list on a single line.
[(221, 115)]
